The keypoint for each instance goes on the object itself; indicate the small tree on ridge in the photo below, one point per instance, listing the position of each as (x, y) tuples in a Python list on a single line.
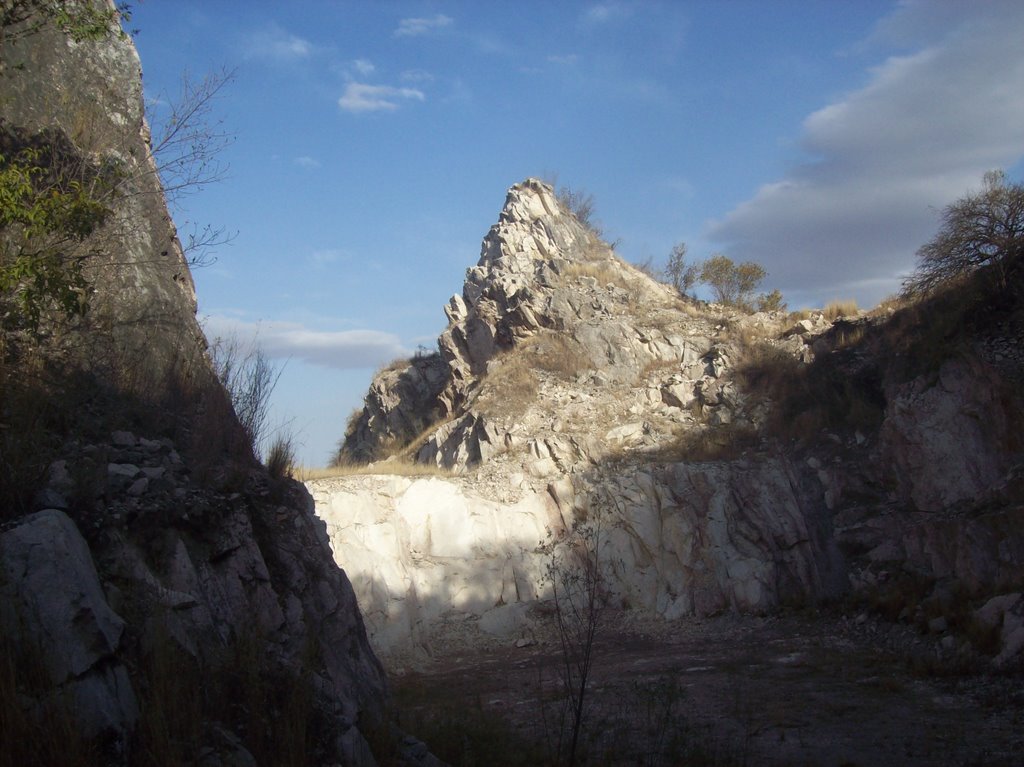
[(681, 275), (976, 230), (731, 284)]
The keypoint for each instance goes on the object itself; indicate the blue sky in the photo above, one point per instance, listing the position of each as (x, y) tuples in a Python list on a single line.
[(375, 142)]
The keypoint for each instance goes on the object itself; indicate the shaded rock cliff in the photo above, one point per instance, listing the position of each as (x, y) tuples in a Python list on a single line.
[(737, 461), (160, 593)]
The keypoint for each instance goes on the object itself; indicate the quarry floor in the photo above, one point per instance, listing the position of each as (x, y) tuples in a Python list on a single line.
[(793, 689)]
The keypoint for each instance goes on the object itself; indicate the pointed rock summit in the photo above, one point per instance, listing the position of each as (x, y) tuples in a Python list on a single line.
[(545, 284)]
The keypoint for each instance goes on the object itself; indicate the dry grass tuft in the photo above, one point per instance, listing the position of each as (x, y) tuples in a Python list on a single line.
[(397, 467), (846, 334), (510, 386), (657, 368), (836, 309), (726, 442), (603, 272), (395, 365), (280, 461), (743, 334), (558, 354), (889, 306)]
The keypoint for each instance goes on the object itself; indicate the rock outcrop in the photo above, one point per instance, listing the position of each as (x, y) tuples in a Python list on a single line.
[(546, 284), (740, 462), (88, 95), (157, 565)]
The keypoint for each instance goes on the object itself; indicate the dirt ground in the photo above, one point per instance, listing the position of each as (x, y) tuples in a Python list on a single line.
[(791, 689)]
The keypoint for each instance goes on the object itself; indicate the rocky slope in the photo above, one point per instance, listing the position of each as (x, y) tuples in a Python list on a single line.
[(735, 461), (162, 599)]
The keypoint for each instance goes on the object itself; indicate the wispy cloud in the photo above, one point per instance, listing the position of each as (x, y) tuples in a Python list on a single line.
[(274, 42), (887, 157), (567, 59), (328, 256), (340, 349), (604, 13), (363, 67), (416, 76), (414, 27), (305, 161), (363, 97)]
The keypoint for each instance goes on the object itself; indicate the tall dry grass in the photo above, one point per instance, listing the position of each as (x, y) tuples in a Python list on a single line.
[(836, 309), (398, 467)]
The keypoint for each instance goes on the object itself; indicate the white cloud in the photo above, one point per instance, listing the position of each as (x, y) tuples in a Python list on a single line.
[(363, 67), (329, 256), (413, 27), (276, 43), (886, 159), (362, 97), (305, 161), (340, 349)]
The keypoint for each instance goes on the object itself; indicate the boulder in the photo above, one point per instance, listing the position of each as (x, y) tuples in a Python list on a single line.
[(55, 613)]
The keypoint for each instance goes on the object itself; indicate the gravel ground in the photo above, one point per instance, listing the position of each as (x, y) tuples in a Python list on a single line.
[(808, 688)]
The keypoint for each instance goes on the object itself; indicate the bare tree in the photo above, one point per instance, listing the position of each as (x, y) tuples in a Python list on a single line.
[(249, 378), (576, 575), (679, 274), (979, 229), (188, 145)]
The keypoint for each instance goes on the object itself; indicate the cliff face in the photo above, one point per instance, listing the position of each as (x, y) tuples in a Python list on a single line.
[(735, 461), (90, 93), (159, 592)]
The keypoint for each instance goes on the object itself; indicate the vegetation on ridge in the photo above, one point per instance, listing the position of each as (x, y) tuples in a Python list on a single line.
[(985, 228)]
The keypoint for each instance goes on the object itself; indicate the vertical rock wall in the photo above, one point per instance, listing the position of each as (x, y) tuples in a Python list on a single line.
[(147, 584)]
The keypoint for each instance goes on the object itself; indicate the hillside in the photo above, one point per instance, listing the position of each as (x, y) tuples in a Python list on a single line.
[(748, 538), (738, 461)]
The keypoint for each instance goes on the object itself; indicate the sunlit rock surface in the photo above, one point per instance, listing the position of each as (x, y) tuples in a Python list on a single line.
[(567, 379)]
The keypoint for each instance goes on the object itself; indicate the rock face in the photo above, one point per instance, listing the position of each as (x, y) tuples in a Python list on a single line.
[(948, 439), (52, 592), (542, 280), (568, 383), (679, 540), (422, 550), (203, 574), (90, 92), (161, 593), (401, 402)]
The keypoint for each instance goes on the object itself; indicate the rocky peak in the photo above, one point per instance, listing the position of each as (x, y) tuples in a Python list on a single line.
[(543, 281)]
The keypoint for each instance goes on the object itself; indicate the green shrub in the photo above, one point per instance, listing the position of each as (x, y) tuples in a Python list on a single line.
[(731, 284), (51, 203)]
